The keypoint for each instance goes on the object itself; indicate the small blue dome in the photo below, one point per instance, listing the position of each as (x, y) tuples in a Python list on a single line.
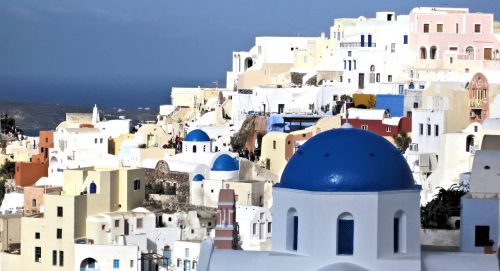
[(225, 163), (197, 136), (198, 178), (347, 160)]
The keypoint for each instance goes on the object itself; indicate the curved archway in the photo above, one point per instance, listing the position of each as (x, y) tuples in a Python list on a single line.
[(433, 52), (248, 63), (399, 232), (292, 229), (469, 51), (345, 234), (89, 264), (423, 53)]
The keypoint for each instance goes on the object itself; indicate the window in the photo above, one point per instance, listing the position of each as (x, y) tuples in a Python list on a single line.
[(100, 140), (137, 184), (59, 211), (482, 236), (388, 129), (389, 78), (131, 263), (475, 128), (194, 148), (436, 130), (269, 227), (362, 40), (456, 28), (345, 64), (377, 78), (37, 235), (93, 188), (139, 223), (396, 234), (292, 229), (349, 53), (453, 48), (428, 129), (354, 64), (274, 144), (426, 28), (59, 234), (345, 234), (254, 228), (195, 264), (364, 127), (405, 39), (54, 257), (477, 28), (33, 203), (439, 28), (393, 47), (116, 264), (117, 223), (341, 78), (95, 140), (61, 258), (38, 254), (179, 262), (186, 252), (399, 233), (372, 68), (421, 129), (204, 148)]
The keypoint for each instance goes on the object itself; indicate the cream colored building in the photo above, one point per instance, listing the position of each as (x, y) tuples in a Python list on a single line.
[(48, 239)]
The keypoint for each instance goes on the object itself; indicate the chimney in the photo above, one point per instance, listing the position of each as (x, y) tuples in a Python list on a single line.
[(226, 230)]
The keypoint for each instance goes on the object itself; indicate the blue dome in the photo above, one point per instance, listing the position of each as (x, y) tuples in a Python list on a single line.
[(347, 160), (225, 163), (198, 178), (197, 135)]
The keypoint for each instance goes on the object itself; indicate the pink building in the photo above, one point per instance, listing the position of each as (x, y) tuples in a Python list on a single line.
[(434, 31)]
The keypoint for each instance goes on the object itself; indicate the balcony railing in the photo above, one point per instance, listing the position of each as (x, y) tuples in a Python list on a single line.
[(356, 44)]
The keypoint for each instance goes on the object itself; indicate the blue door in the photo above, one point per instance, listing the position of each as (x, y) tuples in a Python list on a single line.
[(369, 40), (362, 40), (345, 238)]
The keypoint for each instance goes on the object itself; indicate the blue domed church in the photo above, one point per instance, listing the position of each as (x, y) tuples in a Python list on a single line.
[(346, 201)]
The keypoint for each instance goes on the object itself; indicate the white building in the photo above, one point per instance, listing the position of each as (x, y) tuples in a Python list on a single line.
[(346, 201), (255, 227)]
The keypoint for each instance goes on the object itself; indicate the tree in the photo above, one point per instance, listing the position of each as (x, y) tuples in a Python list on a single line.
[(445, 203), (7, 170), (402, 140)]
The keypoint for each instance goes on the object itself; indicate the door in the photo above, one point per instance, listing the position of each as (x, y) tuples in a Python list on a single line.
[(126, 227), (281, 108), (369, 40), (362, 40), (488, 54), (361, 81)]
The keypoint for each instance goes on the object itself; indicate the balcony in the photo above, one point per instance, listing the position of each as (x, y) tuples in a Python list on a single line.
[(356, 45)]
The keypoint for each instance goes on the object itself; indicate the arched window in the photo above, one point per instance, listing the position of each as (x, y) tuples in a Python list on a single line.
[(399, 232), (292, 229), (33, 203), (470, 52), (433, 52), (345, 234), (354, 64), (194, 148), (469, 143), (93, 188), (248, 63), (372, 68), (423, 53)]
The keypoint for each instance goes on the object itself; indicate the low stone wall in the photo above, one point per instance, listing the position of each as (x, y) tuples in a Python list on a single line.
[(435, 237)]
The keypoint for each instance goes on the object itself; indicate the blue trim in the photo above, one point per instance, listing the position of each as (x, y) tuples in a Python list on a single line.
[(347, 160), (197, 136)]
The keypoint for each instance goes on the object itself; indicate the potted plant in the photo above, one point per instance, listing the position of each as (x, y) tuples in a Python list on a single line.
[(488, 247)]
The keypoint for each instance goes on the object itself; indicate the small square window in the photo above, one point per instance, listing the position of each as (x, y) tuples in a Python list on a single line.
[(389, 78), (59, 211), (37, 235), (59, 234), (388, 129), (477, 28), (139, 223), (364, 127), (439, 28), (117, 223), (426, 28), (349, 53)]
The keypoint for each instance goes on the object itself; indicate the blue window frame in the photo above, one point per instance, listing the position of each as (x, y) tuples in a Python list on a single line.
[(116, 263), (396, 234), (345, 237), (295, 232), (137, 184), (405, 39)]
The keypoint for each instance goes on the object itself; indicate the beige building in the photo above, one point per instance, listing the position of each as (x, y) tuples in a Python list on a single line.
[(49, 239)]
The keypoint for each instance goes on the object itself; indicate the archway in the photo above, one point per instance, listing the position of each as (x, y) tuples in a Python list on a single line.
[(423, 53), (248, 63), (433, 52), (89, 264), (469, 51)]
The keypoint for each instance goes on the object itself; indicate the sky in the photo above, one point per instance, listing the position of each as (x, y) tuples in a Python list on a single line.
[(131, 52)]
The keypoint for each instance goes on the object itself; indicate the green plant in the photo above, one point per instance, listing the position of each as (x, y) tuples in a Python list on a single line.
[(7, 170), (402, 140), (445, 203)]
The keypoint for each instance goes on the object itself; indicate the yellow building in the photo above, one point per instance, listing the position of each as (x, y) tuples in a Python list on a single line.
[(48, 239)]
